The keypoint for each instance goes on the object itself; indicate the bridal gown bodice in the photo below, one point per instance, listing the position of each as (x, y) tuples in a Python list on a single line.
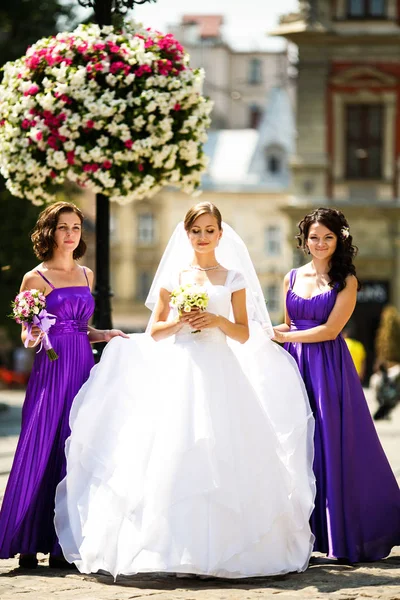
[(219, 303)]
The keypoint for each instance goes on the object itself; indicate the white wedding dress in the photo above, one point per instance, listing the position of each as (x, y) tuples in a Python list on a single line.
[(190, 455)]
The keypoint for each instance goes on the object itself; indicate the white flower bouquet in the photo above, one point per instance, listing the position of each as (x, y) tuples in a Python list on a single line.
[(190, 296), (118, 112), (29, 309)]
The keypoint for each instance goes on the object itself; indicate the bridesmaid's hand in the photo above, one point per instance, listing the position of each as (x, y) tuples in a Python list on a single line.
[(111, 333), (280, 336)]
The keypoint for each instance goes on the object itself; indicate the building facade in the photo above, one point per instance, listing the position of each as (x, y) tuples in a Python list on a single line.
[(237, 81), (348, 134)]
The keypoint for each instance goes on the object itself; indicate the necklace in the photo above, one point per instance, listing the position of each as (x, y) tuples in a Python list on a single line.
[(204, 268)]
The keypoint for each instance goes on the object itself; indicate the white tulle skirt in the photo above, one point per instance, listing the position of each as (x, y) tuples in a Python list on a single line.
[(189, 457)]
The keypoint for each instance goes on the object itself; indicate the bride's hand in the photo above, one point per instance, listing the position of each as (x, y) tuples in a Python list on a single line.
[(203, 320)]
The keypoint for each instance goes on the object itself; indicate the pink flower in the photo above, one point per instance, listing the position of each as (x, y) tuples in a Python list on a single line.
[(32, 62), (25, 124), (113, 47), (140, 167), (52, 142), (98, 67), (32, 90), (177, 106), (128, 144), (71, 157), (39, 136), (107, 164), (116, 66), (53, 174), (90, 124)]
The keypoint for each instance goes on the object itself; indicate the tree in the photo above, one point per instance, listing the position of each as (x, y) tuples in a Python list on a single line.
[(22, 22), (387, 341)]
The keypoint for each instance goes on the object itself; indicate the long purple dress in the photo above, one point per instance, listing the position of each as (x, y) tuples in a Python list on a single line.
[(26, 518), (357, 505)]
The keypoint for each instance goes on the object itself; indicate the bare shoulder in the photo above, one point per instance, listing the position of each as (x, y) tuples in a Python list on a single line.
[(32, 280), (352, 282), (88, 272)]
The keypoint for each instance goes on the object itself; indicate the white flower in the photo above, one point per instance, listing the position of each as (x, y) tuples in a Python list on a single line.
[(345, 231)]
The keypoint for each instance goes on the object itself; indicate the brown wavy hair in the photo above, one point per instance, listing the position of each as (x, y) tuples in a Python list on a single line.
[(202, 208), (43, 233), (341, 263)]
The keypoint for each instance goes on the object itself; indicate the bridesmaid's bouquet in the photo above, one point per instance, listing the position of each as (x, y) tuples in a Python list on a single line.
[(186, 297), (29, 309)]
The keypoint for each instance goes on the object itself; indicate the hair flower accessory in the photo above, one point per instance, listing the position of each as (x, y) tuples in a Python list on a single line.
[(345, 231)]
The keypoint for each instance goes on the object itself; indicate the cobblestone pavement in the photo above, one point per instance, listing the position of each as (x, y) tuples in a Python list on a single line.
[(324, 579)]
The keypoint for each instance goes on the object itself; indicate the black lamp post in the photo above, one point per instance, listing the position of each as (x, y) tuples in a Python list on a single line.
[(103, 10)]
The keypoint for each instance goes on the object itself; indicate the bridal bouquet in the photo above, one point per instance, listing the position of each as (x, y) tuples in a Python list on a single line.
[(29, 309), (189, 296)]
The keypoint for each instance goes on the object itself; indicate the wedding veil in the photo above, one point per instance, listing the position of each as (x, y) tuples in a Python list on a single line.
[(231, 253)]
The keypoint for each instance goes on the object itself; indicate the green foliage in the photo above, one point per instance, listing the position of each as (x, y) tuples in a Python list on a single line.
[(387, 339), (17, 219), (22, 22)]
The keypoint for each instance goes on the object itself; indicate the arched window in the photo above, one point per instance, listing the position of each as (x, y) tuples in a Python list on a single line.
[(274, 165), (275, 160)]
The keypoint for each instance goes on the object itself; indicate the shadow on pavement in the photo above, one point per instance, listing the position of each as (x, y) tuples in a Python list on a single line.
[(324, 574)]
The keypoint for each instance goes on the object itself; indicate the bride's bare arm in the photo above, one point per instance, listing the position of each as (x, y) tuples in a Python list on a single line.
[(162, 328), (239, 330)]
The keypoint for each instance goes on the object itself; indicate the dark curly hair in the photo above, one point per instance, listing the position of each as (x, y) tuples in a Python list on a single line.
[(341, 263), (43, 233)]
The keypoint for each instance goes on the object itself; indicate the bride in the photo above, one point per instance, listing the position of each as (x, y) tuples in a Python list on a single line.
[(192, 452)]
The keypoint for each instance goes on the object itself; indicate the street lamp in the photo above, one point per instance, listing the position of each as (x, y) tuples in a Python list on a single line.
[(103, 10)]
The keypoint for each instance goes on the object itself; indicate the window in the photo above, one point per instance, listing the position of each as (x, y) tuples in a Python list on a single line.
[(144, 279), (274, 165), (364, 133), (255, 71), (255, 114), (146, 226), (273, 241), (366, 9), (273, 297)]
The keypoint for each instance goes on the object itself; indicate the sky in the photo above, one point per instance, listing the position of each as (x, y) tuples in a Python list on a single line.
[(247, 22)]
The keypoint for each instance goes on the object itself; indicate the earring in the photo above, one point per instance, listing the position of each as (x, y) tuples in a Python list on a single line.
[(308, 251)]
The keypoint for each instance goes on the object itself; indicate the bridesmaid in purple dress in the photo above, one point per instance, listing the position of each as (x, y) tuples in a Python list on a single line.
[(357, 507), (26, 518)]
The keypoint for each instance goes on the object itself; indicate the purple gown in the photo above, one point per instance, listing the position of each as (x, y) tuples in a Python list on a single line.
[(26, 518), (357, 505)]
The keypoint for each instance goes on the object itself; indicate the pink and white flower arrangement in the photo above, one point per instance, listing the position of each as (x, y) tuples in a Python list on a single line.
[(29, 309), (118, 112)]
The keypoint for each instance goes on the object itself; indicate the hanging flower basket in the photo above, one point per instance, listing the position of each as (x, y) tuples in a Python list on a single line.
[(117, 112)]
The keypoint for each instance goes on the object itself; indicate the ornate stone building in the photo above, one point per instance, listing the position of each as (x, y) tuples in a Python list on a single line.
[(348, 134)]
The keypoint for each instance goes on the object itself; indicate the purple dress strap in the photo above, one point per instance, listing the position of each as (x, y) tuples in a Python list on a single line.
[(292, 278), (87, 280), (46, 280)]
